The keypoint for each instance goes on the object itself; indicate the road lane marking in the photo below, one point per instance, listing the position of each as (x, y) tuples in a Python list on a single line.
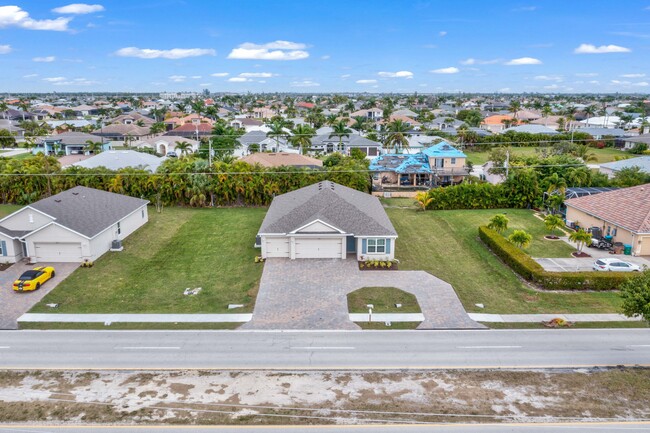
[(322, 348), (488, 347), (149, 348), (5, 347), (639, 345)]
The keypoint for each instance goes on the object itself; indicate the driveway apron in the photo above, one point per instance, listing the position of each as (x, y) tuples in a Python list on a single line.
[(312, 294)]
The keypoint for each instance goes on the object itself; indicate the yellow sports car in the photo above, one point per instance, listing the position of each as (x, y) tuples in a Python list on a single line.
[(32, 280)]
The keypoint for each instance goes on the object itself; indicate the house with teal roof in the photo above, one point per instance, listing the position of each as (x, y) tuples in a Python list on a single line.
[(438, 165)]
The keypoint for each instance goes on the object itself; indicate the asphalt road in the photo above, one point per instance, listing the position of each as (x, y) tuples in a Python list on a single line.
[(323, 350), (455, 428)]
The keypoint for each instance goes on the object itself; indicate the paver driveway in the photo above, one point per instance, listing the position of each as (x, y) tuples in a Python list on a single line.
[(12, 304), (311, 294)]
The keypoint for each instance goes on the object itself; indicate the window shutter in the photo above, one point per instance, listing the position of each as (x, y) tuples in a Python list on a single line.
[(364, 246), (4, 248), (387, 246)]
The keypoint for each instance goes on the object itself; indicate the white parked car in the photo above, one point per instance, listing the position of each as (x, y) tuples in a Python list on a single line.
[(615, 265)]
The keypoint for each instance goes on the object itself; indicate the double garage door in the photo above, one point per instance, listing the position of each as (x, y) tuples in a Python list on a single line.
[(57, 251), (306, 248)]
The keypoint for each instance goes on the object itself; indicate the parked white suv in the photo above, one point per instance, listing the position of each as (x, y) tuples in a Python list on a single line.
[(615, 265)]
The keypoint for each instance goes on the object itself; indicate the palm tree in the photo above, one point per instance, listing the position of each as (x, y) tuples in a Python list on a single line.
[(581, 238), (555, 183), (499, 223), (198, 105), (331, 120), (157, 128), (589, 110), (183, 147), (359, 124), (546, 111), (520, 238), (554, 201), (4, 107), (584, 152), (570, 113), (514, 107), (340, 130), (423, 200), (301, 137), (553, 222), (397, 135), (94, 147), (277, 131)]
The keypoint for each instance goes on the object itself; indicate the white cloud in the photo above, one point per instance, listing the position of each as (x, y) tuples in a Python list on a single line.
[(257, 75), (552, 87), (177, 78), (524, 61), (366, 81), (196, 77), (442, 34), (449, 70), (472, 61), (594, 82), (557, 78), (76, 82), (592, 49), (325, 57), (78, 9), (278, 50), (525, 9), (641, 84), (304, 83), (5, 49), (54, 79), (398, 74), (30, 76), (220, 74), (344, 76), (633, 75), (14, 16), (174, 53), (586, 74), (47, 59), (205, 84), (239, 79)]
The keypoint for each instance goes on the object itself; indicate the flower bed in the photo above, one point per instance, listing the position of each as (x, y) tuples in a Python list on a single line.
[(378, 265)]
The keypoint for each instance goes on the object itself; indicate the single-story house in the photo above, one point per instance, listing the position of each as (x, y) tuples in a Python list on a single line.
[(623, 214), (163, 144), (440, 164), (282, 159), (328, 221), (263, 143), (611, 168), (600, 133), (631, 142), (119, 159), (532, 129), (328, 143), (70, 143), (73, 226)]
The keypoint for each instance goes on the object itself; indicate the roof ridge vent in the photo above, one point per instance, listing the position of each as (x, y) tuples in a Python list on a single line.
[(58, 200)]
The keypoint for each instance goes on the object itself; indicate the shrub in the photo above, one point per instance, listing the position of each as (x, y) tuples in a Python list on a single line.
[(530, 270)]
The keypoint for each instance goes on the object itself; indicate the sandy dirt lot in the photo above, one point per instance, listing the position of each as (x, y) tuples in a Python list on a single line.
[(258, 397)]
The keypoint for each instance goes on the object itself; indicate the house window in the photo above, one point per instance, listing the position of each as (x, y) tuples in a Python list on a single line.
[(614, 231), (453, 161), (119, 229), (2, 252), (376, 246)]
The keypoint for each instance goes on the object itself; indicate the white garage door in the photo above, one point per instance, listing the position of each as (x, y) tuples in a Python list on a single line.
[(277, 247), (645, 247), (318, 248), (57, 251)]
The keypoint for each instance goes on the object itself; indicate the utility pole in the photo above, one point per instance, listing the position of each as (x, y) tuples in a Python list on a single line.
[(507, 163)]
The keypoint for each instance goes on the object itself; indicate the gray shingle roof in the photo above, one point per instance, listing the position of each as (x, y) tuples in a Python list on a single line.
[(643, 162), (86, 210), (347, 209)]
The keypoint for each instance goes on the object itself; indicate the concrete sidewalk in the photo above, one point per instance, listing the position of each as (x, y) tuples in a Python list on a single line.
[(536, 318), (387, 317), (135, 318)]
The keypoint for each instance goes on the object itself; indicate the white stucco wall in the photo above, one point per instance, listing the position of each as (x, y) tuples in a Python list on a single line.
[(13, 251), (20, 220)]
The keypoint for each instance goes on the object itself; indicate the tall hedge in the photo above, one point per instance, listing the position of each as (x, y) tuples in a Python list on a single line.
[(530, 270)]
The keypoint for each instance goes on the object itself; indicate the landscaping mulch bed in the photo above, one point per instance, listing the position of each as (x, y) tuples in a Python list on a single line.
[(5, 266), (580, 254), (552, 238), (367, 267)]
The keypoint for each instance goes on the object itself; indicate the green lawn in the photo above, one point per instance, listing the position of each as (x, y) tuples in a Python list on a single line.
[(446, 244), (383, 299), (177, 249), (607, 154), (6, 209)]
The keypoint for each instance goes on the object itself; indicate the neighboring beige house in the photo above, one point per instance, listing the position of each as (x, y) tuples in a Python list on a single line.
[(623, 214), (327, 220), (72, 226), (281, 159)]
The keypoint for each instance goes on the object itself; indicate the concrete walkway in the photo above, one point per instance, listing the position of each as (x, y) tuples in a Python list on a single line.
[(7, 153), (536, 318)]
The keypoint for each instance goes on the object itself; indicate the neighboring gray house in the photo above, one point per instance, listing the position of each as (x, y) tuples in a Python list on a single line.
[(327, 220), (630, 142), (118, 159), (599, 133), (611, 168), (72, 226), (70, 143), (328, 143), (264, 143)]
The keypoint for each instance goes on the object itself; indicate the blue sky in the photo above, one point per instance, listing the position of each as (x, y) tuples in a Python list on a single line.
[(326, 46)]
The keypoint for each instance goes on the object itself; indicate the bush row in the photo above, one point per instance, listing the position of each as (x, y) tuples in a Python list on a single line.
[(532, 271)]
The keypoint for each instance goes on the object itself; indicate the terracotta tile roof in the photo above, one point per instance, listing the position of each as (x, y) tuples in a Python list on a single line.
[(628, 207), (496, 119), (282, 159)]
